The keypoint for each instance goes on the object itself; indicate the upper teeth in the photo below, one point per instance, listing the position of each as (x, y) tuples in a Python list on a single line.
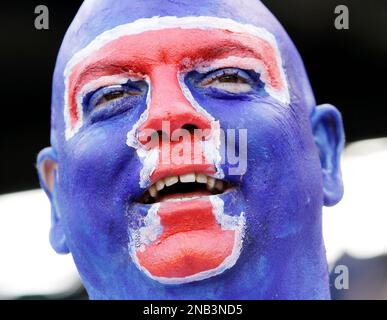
[(189, 177), (169, 181), (186, 178)]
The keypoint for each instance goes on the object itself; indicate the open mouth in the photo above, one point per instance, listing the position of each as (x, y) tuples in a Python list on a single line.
[(183, 186)]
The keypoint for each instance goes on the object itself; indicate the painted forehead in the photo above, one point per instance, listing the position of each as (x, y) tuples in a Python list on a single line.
[(200, 43)]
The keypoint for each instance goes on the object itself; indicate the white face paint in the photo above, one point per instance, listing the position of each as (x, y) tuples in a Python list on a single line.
[(151, 230)]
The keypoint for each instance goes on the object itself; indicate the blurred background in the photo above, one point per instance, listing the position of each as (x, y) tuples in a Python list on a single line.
[(347, 68)]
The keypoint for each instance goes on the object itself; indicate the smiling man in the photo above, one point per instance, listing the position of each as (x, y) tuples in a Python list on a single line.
[(151, 102)]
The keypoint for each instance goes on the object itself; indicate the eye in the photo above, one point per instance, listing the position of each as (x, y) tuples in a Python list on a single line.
[(230, 80), (111, 95)]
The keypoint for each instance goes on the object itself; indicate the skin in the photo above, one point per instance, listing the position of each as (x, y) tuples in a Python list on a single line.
[(293, 158)]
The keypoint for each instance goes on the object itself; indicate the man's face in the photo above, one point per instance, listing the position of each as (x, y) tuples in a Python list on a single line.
[(184, 159)]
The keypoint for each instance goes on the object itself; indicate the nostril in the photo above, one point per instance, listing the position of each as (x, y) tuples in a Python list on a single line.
[(152, 138), (190, 128)]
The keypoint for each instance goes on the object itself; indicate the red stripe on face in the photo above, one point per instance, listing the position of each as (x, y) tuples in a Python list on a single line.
[(192, 241), (167, 52)]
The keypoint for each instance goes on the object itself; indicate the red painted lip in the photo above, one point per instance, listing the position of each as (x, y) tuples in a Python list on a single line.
[(192, 241), (163, 171)]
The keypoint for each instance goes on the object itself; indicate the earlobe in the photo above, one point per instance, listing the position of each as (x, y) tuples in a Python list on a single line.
[(328, 133), (47, 168)]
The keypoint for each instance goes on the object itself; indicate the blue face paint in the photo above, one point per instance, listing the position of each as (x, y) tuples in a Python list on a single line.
[(293, 152)]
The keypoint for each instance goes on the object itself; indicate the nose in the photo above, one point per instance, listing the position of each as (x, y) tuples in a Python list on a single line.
[(169, 104)]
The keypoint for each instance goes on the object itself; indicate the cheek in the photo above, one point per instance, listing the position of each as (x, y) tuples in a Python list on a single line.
[(95, 184), (283, 182), (282, 185), (95, 158)]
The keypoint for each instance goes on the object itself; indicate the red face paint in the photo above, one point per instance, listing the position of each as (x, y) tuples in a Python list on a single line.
[(161, 55)]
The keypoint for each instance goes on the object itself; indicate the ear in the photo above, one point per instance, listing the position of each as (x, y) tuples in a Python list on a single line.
[(328, 133), (47, 165)]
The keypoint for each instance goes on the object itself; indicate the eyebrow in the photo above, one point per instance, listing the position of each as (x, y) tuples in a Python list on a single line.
[(228, 47), (221, 49)]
